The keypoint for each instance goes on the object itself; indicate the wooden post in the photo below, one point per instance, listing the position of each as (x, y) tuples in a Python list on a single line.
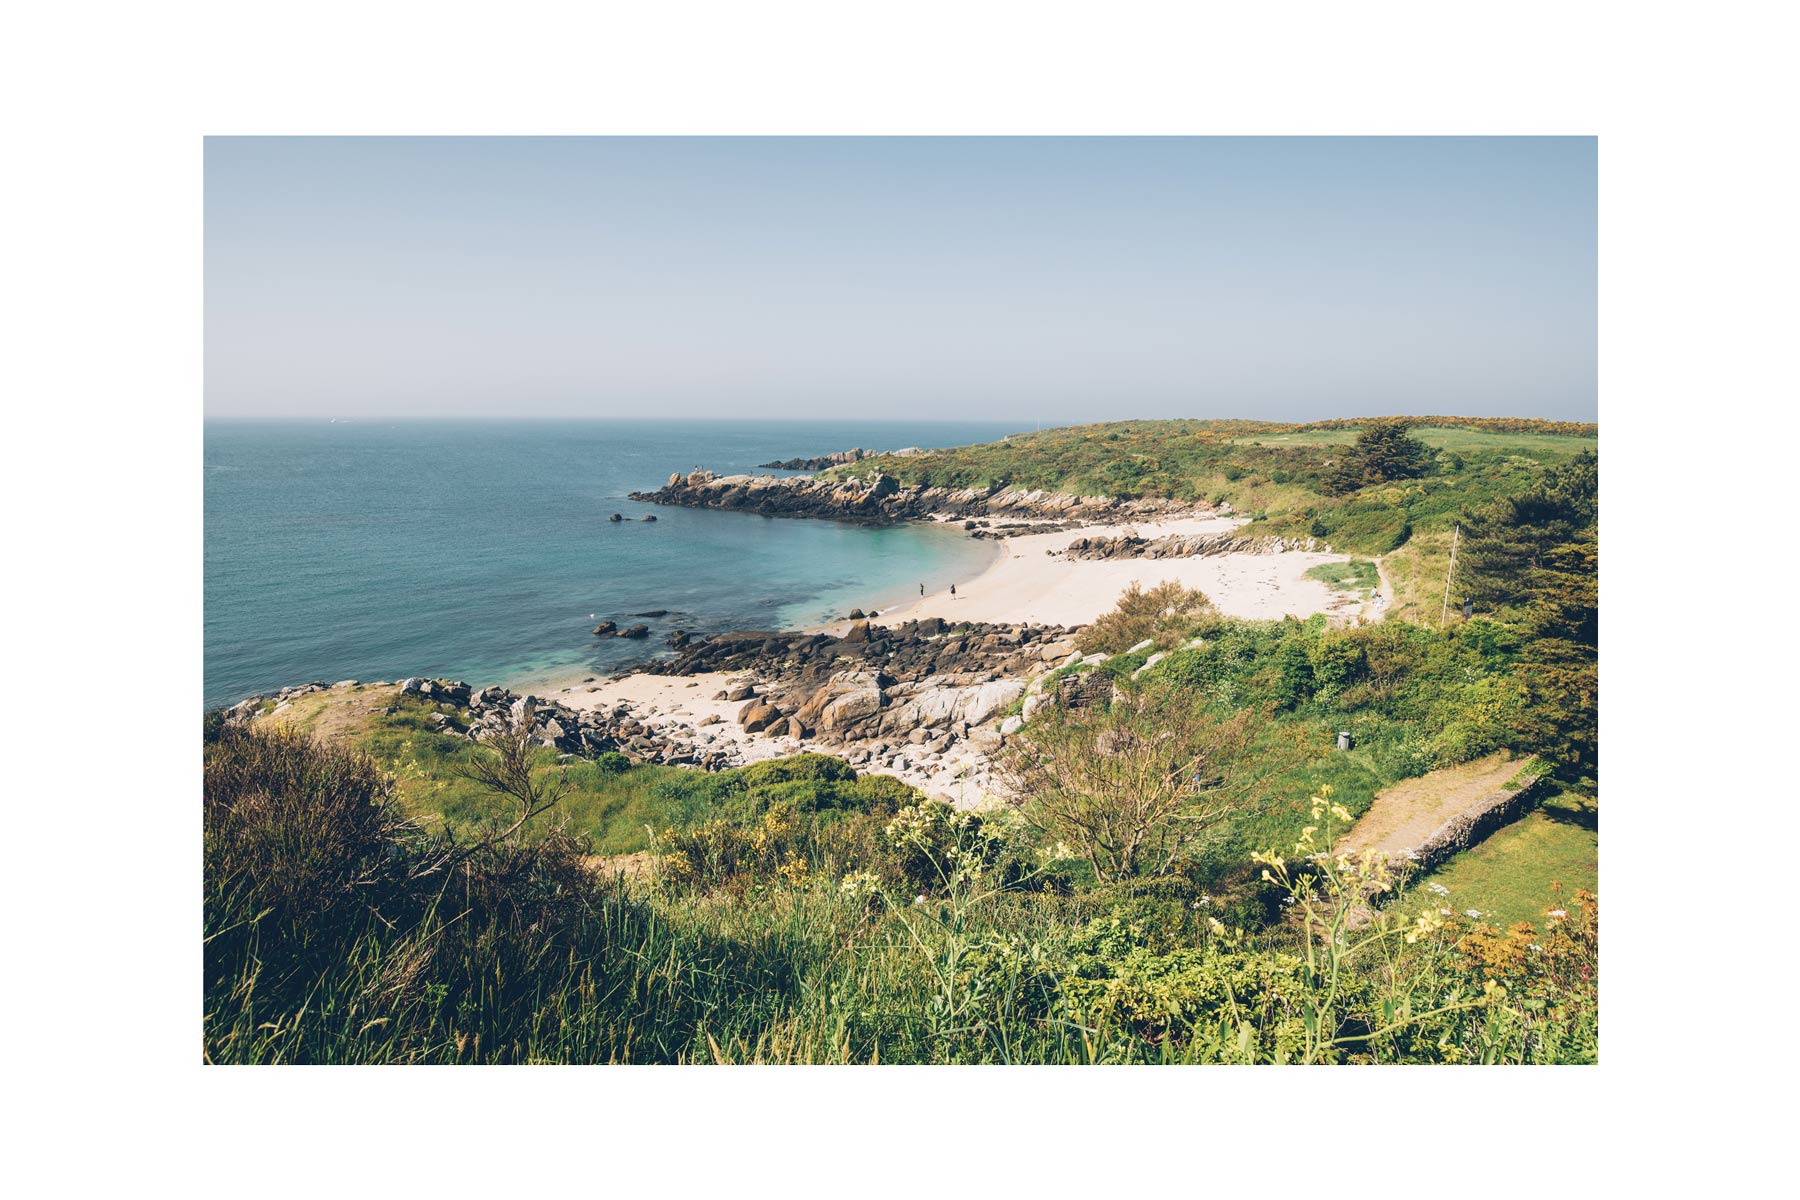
[(1448, 572)]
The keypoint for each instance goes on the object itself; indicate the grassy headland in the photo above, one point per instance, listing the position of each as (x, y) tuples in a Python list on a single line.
[(1279, 475), (1170, 886)]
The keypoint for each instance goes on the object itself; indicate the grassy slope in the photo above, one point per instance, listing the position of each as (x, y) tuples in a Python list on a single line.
[(616, 809), (1550, 447), (1508, 877), (1272, 473)]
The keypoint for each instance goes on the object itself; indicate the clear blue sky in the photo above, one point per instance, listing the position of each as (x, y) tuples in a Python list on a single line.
[(1036, 279)]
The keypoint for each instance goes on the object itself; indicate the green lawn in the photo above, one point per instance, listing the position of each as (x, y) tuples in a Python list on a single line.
[(1357, 575), (1508, 876)]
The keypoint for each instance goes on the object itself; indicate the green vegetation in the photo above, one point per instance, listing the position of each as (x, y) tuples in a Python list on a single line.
[(1507, 877), (1357, 575), (1164, 616), (1167, 889), (337, 931), (615, 806), (1546, 447)]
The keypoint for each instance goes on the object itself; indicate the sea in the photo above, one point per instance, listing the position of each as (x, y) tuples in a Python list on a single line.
[(482, 550)]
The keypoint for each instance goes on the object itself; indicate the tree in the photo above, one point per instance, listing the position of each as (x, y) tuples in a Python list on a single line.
[(1130, 785), (1509, 539), (1560, 662), (1383, 452)]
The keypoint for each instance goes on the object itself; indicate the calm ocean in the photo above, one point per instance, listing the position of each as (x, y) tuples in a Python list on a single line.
[(479, 549)]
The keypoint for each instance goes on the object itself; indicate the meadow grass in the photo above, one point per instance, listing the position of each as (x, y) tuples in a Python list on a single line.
[(1357, 575), (1508, 877), (616, 809), (1546, 447)]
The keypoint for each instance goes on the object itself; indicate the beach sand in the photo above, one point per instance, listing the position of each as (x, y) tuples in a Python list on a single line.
[(1025, 583), (1022, 584)]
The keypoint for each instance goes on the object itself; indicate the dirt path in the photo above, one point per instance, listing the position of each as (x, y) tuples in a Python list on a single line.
[(339, 713), (1409, 815), (1387, 588)]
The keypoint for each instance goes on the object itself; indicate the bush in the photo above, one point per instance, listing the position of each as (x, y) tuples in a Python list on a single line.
[(1165, 615), (300, 826), (822, 768), (930, 847), (611, 763)]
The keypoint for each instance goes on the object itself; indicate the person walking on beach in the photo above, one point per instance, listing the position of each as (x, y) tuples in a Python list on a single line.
[(921, 589), (953, 589)]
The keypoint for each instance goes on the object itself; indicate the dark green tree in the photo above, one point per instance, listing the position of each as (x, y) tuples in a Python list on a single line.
[(1507, 540), (1382, 453)]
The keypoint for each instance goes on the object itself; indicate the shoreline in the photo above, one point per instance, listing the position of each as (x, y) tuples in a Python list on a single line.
[(1023, 583), (1029, 583)]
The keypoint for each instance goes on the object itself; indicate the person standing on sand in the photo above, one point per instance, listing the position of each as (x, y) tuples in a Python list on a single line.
[(953, 590), (921, 589)]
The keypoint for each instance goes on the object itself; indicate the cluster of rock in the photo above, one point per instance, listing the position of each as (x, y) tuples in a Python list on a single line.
[(249, 708), (587, 732), (1186, 545), (894, 699), (610, 629), (882, 500), (924, 696), (823, 462), (910, 651)]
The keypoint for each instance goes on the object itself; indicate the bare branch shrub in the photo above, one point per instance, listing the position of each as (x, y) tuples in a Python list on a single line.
[(506, 770), (1130, 785)]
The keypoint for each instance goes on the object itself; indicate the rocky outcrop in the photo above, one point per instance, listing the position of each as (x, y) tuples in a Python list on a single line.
[(883, 500), (824, 462), (821, 462), (1190, 545), (915, 650), (883, 698), (478, 715)]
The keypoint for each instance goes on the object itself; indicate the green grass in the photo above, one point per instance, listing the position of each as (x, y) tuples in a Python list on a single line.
[(615, 809), (333, 934), (1548, 447), (1274, 473), (1508, 876), (1357, 575)]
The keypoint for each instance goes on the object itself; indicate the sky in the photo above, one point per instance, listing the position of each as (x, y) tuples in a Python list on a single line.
[(1051, 280)]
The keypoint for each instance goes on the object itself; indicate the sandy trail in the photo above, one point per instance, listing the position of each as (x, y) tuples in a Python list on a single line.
[(1406, 814)]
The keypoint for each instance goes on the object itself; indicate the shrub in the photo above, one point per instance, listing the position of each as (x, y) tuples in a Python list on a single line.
[(822, 768), (611, 762), (1166, 614), (299, 825), (1130, 785), (932, 846)]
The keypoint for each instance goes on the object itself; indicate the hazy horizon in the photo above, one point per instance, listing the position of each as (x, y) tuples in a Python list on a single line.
[(1052, 280)]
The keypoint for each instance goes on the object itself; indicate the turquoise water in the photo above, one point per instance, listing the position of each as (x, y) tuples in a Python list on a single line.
[(478, 549)]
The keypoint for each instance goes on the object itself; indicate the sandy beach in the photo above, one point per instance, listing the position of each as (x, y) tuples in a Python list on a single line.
[(1022, 584), (1026, 582)]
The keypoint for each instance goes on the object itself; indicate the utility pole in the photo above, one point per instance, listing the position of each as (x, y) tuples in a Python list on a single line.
[(1448, 572)]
